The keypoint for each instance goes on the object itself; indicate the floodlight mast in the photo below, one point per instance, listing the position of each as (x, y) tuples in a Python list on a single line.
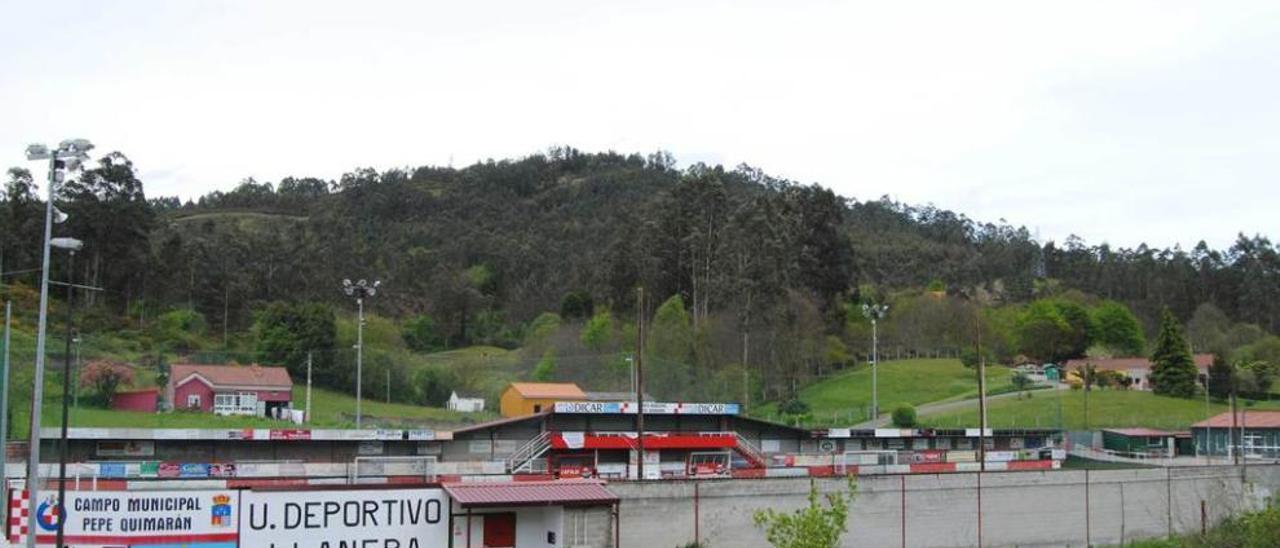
[(77, 151), (874, 312), (361, 290)]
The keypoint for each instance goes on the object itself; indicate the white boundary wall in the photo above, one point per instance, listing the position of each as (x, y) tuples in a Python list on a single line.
[(1018, 508)]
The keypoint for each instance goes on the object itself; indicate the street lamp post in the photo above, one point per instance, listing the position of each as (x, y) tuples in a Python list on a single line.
[(68, 155), (361, 290), (71, 245), (875, 312), (75, 387)]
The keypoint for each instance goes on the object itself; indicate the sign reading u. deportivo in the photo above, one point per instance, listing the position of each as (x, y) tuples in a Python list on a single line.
[(651, 408), (380, 518), (147, 518)]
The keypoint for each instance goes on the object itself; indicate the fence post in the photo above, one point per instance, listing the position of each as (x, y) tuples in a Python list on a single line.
[(1168, 494), (1088, 531), (903, 489)]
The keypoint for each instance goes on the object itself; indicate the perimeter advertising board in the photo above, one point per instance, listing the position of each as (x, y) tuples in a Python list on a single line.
[(196, 519), (380, 518)]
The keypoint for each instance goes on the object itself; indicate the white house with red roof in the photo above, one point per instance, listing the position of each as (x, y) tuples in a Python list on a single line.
[(230, 389)]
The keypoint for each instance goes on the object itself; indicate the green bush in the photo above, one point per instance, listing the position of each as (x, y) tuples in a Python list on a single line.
[(180, 330), (904, 416), (421, 335), (794, 406)]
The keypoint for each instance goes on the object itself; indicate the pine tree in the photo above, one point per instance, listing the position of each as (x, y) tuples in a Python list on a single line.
[(1173, 372), (1221, 377)]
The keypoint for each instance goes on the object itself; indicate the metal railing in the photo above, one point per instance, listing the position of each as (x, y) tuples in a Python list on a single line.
[(750, 451), (522, 457)]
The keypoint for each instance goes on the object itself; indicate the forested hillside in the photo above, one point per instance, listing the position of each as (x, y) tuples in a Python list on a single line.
[(751, 283)]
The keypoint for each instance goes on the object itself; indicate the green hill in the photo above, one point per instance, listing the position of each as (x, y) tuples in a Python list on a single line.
[(1107, 408), (846, 397)]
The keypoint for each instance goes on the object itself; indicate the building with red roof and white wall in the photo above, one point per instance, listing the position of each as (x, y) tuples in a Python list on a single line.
[(230, 389), (1137, 369)]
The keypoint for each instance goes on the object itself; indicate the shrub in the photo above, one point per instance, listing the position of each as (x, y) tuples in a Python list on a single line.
[(813, 526), (794, 406), (104, 377), (421, 335), (904, 416)]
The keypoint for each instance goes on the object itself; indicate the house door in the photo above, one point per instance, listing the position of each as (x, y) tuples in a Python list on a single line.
[(499, 530)]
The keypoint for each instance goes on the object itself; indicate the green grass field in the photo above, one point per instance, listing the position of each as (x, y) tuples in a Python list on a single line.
[(329, 410), (333, 410), (1107, 408), (845, 398)]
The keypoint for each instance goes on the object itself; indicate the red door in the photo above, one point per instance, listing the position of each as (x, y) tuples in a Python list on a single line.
[(499, 530)]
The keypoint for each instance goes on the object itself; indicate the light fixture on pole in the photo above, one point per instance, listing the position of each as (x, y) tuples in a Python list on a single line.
[(72, 245), (361, 290), (875, 313), (68, 156)]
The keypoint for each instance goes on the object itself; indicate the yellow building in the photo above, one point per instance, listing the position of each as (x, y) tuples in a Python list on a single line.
[(527, 398)]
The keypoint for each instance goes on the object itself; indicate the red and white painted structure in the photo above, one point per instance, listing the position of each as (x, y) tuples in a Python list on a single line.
[(230, 389)]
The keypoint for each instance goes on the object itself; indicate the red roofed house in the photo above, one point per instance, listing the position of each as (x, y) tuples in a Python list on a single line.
[(230, 389), (1138, 369)]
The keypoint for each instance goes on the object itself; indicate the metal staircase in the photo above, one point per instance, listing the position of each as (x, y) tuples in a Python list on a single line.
[(749, 450), (522, 459)]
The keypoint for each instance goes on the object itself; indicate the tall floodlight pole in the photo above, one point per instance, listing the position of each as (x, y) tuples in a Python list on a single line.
[(875, 312), (71, 245), (68, 155), (361, 290)]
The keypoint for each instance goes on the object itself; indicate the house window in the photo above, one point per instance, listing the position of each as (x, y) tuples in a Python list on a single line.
[(193, 401), (235, 403)]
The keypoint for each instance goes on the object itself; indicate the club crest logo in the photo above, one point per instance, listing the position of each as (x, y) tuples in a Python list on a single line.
[(49, 514), (220, 512)]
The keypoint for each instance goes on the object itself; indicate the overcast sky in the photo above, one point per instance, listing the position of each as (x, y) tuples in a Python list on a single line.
[(1122, 122)]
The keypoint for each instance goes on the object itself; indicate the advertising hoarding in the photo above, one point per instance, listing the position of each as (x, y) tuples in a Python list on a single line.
[(195, 519), (402, 518)]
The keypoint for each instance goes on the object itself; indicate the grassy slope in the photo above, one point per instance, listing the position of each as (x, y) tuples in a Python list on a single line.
[(847, 395), (330, 409), (1107, 408)]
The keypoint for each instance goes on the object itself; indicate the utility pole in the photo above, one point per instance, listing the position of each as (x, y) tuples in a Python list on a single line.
[(4, 398), (640, 382), (307, 415), (66, 392), (1232, 446), (982, 399), (1208, 431), (388, 385)]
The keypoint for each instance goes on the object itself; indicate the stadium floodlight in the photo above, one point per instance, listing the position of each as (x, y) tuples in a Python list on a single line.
[(875, 313), (360, 290), (37, 152), (70, 149)]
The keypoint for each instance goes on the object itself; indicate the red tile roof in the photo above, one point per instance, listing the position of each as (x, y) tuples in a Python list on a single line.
[(234, 375), (1249, 419), (565, 390), (530, 493), (1202, 361), (1139, 432)]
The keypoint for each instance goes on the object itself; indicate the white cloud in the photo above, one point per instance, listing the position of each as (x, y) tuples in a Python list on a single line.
[(1123, 122)]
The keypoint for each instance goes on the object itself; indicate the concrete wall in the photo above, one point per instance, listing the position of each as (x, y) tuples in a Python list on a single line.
[(1017, 508)]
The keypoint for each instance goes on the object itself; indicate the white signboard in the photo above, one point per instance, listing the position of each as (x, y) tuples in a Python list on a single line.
[(141, 518), (650, 407), (382, 518)]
